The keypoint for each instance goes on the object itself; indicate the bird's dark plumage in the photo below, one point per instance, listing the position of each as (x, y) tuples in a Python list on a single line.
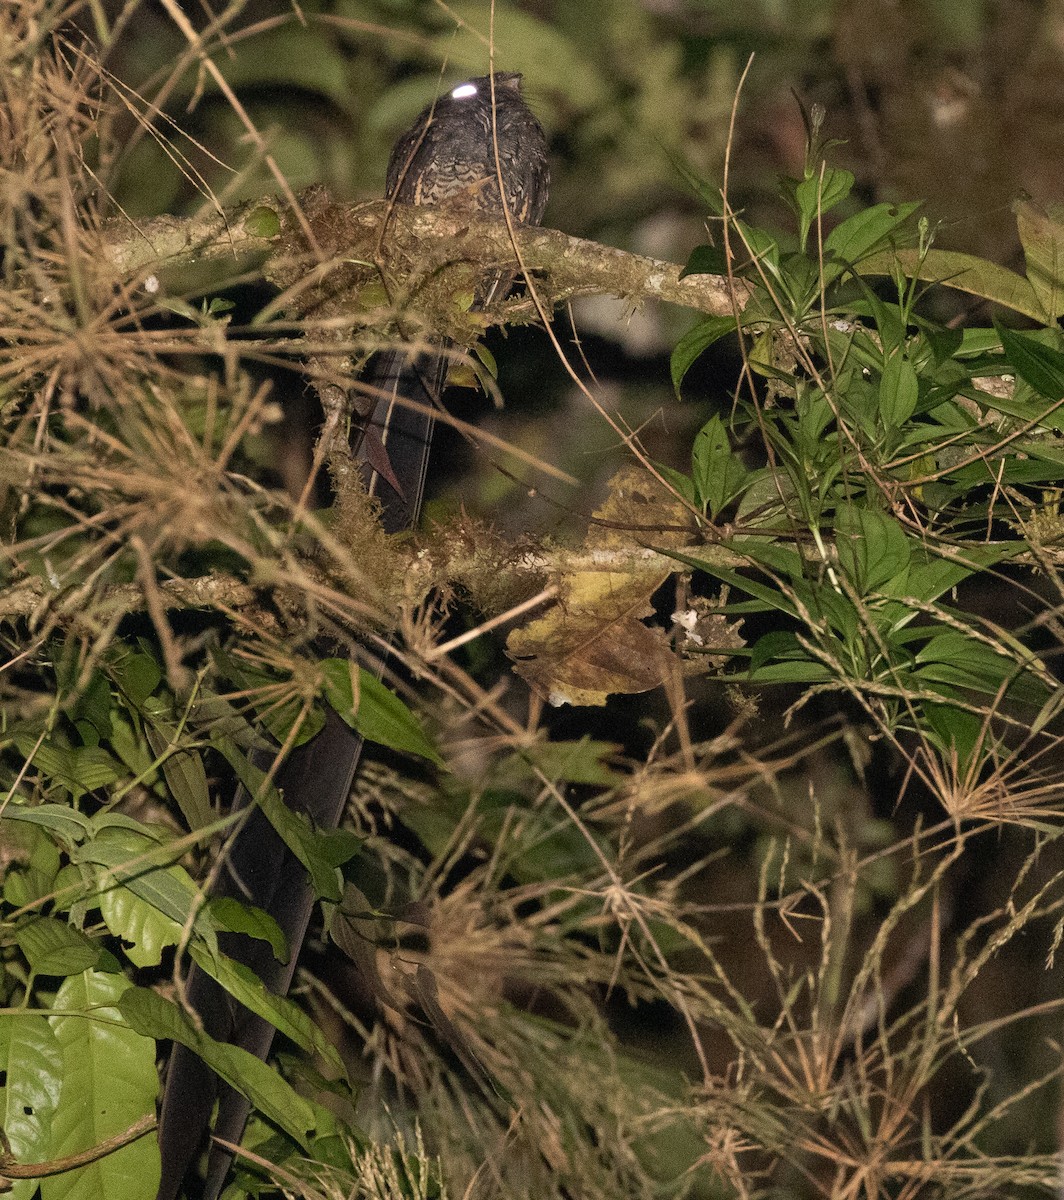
[(446, 157)]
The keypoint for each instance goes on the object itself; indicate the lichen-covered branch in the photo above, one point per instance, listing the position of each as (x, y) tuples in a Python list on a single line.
[(264, 237)]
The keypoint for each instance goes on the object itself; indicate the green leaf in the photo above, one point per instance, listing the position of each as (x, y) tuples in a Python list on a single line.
[(718, 474), (1042, 237), (279, 715), (487, 359), (153, 1017), (31, 1065), (315, 850), (69, 826), (833, 186), (956, 731), (872, 548), (930, 575), (376, 713), (819, 193), (771, 596), (109, 1083), (53, 947), (778, 646), (92, 709), (183, 770), (140, 863), (1040, 365), (569, 762), (683, 484), (867, 231), (706, 260), (960, 661), (145, 931), (762, 247), (283, 1014), (76, 769), (964, 272), (233, 916), (899, 390), (33, 863), (138, 675), (694, 341)]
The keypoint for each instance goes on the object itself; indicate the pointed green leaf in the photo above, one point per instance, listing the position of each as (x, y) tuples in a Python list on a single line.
[(377, 713), (717, 473), (1040, 365), (872, 548), (694, 342), (53, 947), (964, 272), (866, 231), (31, 1066), (283, 1014), (1042, 236), (154, 1017), (109, 1083), (899, 390)]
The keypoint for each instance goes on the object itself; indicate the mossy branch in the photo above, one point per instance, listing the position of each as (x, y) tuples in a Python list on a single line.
[(263, 237)]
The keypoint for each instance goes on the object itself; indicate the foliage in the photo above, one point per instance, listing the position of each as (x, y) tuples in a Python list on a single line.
[(676, 949)]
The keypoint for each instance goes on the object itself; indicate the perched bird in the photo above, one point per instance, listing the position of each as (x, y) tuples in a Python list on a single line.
[(479, 147), (448, 156)]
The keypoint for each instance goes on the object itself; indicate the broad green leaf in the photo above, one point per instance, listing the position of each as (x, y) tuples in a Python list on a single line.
[(872, 548), (69, 825), (694, 342), (1042, 237), (930, 575), (776, 647), (138, 675), (683, 484), (956, 731), (706, 260), (77, 769), (376, 713), (283, 1014), (109, 1083), (1040, 365), (763, 248), (717, 473), (53, 947), (31, 1065), (92, 709), (184, 773), (867, 230), (899, 390), (154, 1017), (32, 865), (138, 862), (960, 661), (819, 193), (964, 272), (232, 916), (144, 930)]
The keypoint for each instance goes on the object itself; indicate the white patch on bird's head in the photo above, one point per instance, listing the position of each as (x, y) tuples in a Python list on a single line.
[(463, 91)]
